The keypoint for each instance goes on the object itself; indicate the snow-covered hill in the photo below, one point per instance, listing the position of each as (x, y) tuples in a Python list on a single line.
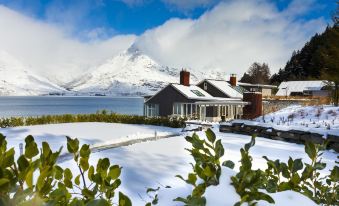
[(131, 73), (17, 80)]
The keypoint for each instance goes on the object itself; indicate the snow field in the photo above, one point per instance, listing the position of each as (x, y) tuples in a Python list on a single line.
[(155, 163)]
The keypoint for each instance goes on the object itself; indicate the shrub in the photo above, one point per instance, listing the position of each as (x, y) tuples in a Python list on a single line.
[(102, 116)]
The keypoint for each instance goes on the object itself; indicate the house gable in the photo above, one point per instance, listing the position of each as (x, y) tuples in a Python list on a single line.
[(211, 89), (165, 99)]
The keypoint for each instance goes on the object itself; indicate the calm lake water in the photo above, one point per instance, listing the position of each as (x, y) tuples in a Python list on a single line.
[(36, 106)]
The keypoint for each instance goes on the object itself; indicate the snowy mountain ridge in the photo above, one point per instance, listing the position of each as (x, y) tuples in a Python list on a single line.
[(131, 73), (17, 80)]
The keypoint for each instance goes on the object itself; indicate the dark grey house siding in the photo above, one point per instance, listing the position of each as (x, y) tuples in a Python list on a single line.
[(166, 98), (211, 111), (212, 90)]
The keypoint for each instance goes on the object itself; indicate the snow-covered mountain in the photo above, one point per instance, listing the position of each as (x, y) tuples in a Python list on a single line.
[(132, 73), (17, 80)]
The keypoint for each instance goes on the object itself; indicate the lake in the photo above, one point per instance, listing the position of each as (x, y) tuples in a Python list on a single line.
[(43, 105)]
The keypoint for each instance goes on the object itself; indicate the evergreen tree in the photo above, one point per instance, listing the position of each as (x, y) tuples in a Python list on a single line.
[(257, 74)]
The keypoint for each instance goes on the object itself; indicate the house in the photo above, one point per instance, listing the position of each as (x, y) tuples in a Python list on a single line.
[(233, 88), (222, 88), (193, 102), (316, 88), (265, 89)]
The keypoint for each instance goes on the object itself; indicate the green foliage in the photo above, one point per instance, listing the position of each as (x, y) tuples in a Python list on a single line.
[(36, 179), (247, 181), (102, 116), (207, 168), (303, 177)]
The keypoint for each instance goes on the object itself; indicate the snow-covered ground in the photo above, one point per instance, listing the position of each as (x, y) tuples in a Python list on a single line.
[(155, 163), (322, 119), (94, 134)]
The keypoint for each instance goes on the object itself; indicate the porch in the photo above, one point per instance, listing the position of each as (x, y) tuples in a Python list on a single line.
[(209, 111)]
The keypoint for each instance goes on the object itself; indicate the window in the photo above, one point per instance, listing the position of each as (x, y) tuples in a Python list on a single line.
[(205, 86), (198, 93), (152, 110), (177, 108)]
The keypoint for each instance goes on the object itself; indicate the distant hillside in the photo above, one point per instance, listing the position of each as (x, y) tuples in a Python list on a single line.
[(321, 52)]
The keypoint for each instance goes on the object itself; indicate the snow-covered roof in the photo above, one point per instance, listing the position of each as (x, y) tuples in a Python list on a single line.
[(196, 93), (256, 85), (286, 88), (225, 87), (193, 92)]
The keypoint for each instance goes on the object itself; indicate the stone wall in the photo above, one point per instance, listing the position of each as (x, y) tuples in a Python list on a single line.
[(294, 136)]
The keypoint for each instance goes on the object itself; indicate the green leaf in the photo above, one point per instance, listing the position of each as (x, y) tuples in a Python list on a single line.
[(77, 180), (22, 163), (311, 150), (68, 174), (84, 163), (46, 150), (319, 165), (31, 148), (29, 178), (210, 135), (124, 200), (219, 149), (114, 171), (58, 172), (8, 158), (85, 151), (192, 178), (209, 171), (228, 164), (72, 145), (297, 165), (90, 173)]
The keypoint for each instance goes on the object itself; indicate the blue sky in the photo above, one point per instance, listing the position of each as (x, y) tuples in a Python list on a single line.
[(112, 17)]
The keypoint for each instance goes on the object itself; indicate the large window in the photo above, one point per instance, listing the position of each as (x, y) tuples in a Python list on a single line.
[(177, 107), (152, 110)]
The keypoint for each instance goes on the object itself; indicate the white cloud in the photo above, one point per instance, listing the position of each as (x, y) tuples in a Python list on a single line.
[(50, 51), (231, 37)]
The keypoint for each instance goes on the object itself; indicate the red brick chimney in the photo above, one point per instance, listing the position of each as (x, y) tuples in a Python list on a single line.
[(254, 109), (233, 80), (185, 78)]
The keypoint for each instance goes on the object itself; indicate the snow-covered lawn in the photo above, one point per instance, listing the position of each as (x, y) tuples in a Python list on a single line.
[(318, 119), (94, 134), (155, 163)]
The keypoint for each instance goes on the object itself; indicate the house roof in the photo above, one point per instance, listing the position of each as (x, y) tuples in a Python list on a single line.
[(194, 92), (257, 85), (286, 88), (226, 88)]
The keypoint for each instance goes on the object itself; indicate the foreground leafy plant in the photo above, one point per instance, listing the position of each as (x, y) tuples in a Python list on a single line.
[(207, 167), (38, 180), (288, 176), (247, 181)]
